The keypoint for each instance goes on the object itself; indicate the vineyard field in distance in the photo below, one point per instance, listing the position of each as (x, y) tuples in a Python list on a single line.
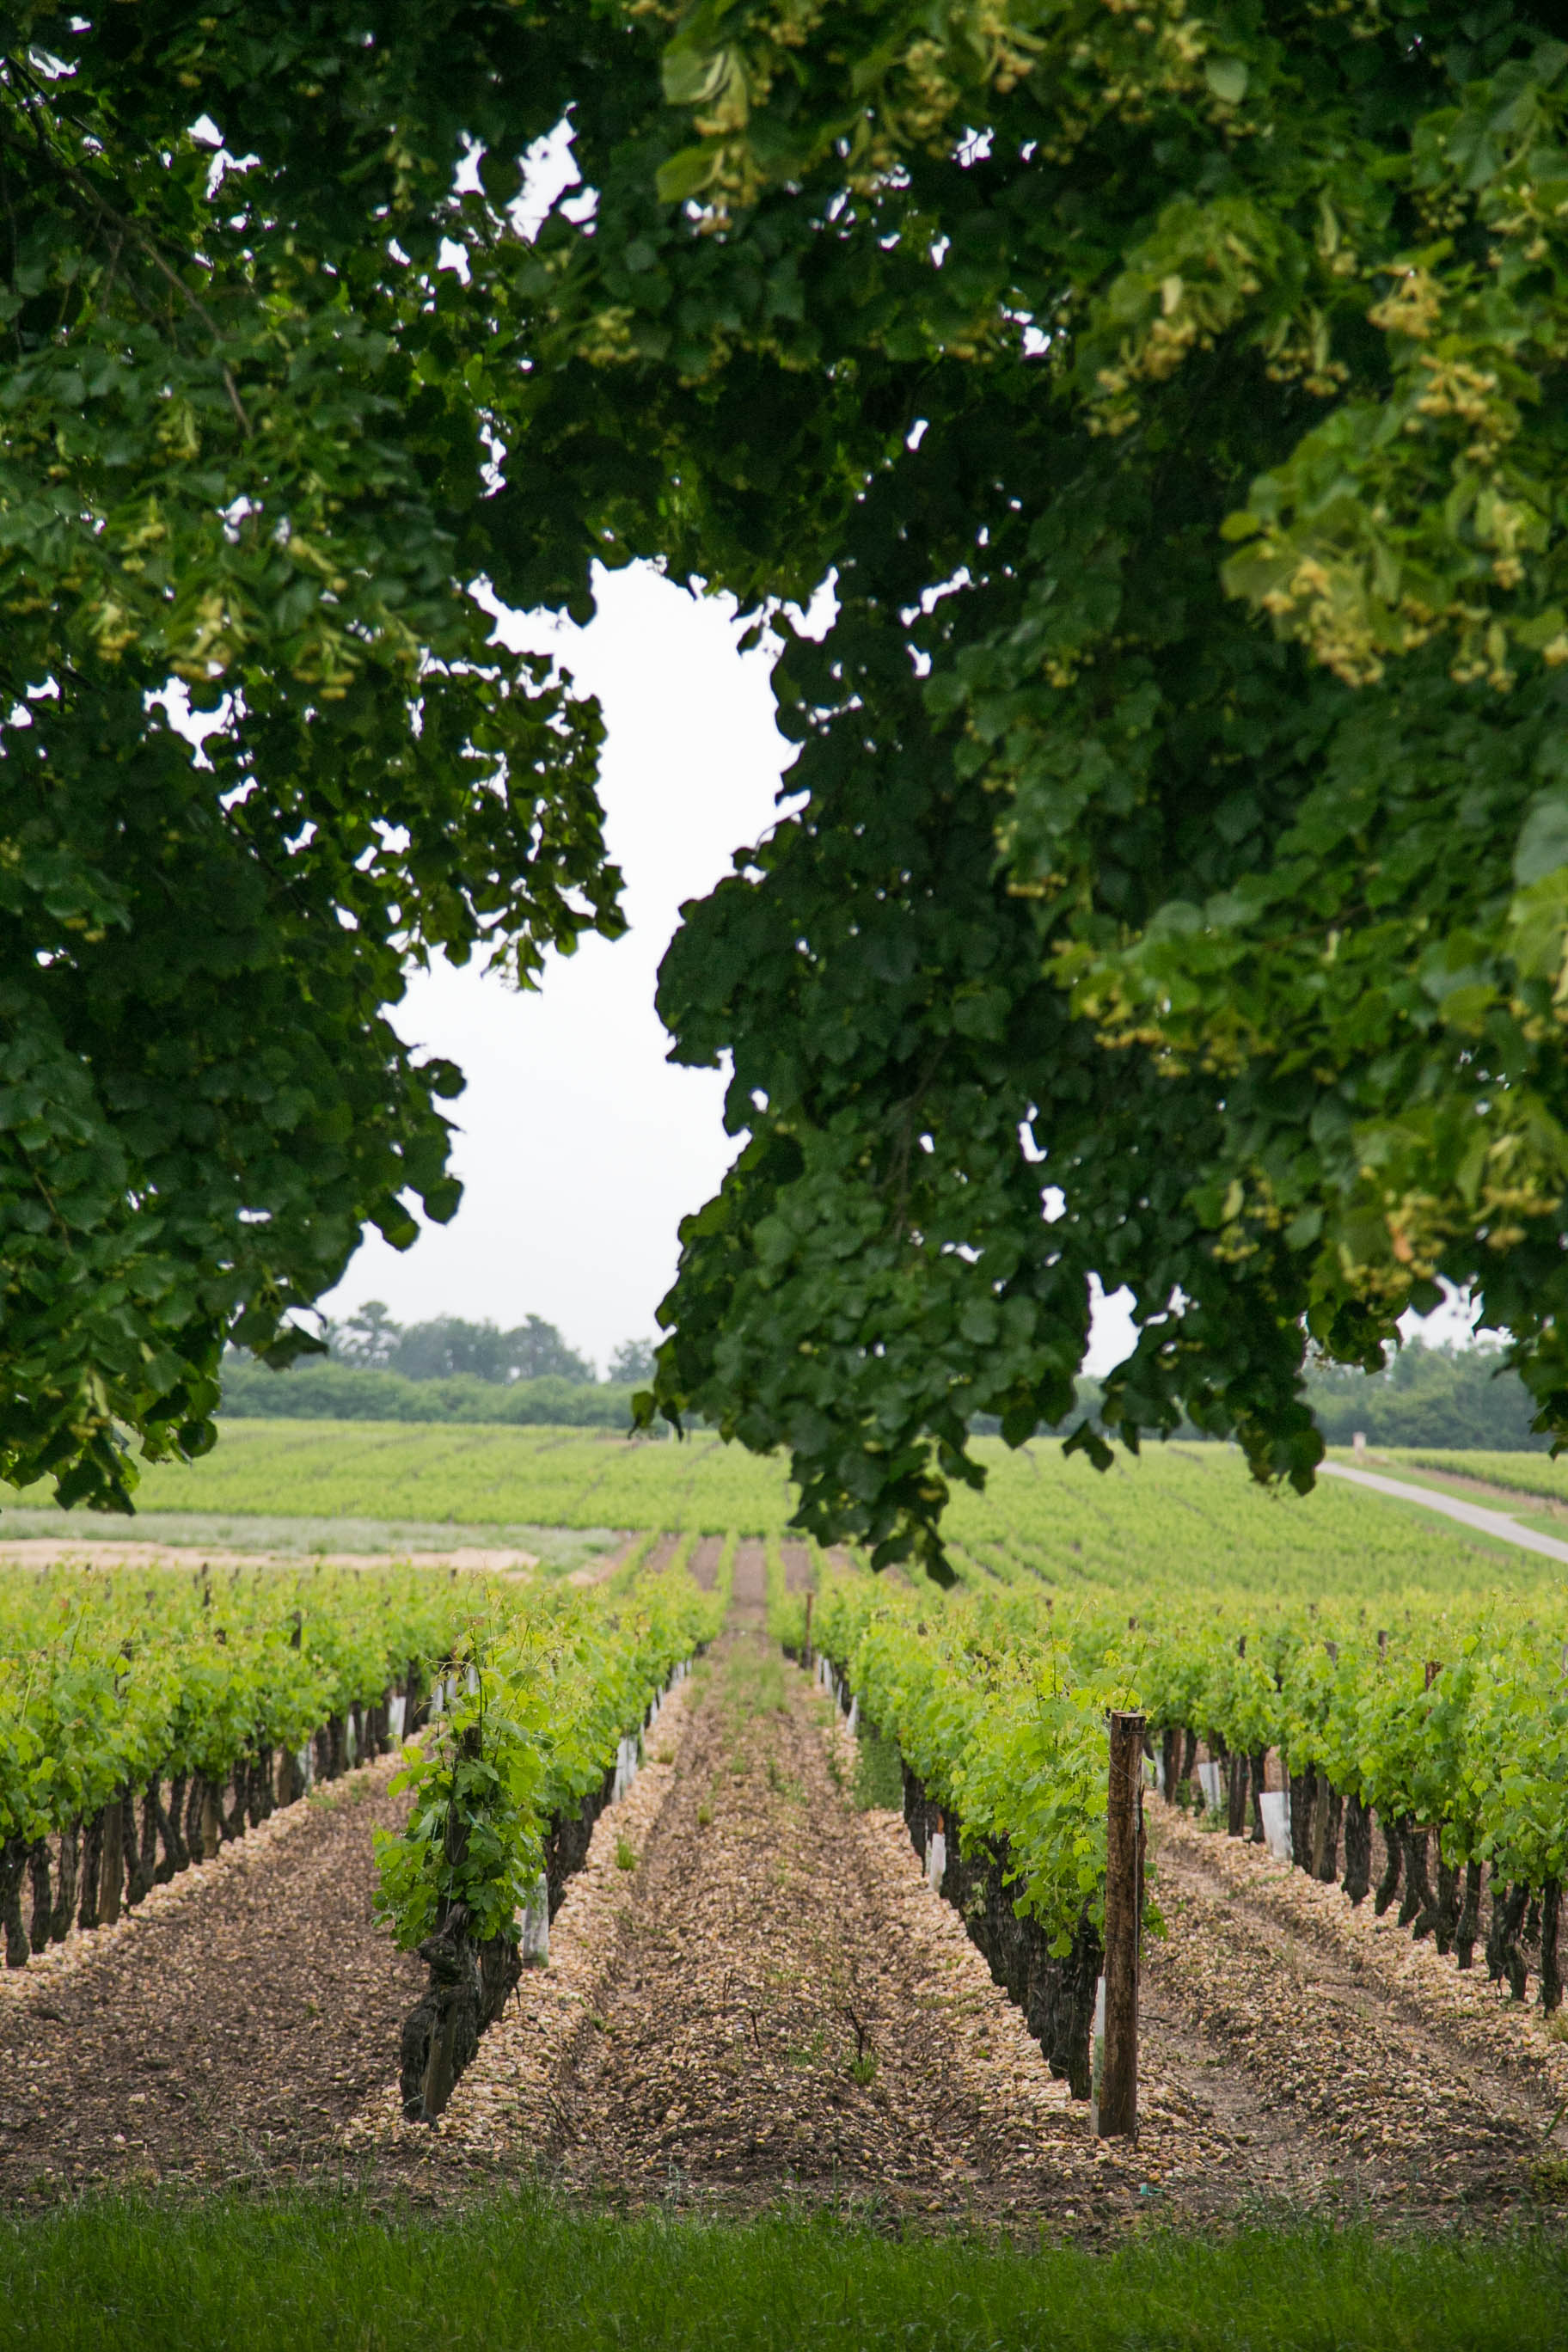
[(1186, 1516)]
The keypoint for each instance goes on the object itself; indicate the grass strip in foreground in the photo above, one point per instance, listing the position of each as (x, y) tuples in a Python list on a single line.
[(529, 2271)]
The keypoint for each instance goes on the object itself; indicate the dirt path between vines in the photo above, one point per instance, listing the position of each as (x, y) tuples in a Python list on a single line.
[(223, 2031), (764, 1999)]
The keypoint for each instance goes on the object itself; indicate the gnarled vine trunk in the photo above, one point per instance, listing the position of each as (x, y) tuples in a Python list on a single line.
[(43, 1910), (1467, 1927), (1235, 1797), (1504, 1956), (1417, 1901), (1388, 1884), (1303, 1804), (1551, 1967), (13, 1853), (1358, 1848), (66, 1881)]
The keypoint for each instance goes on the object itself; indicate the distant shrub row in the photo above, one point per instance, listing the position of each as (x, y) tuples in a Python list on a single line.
[(1428, 1396), (330, 1391)]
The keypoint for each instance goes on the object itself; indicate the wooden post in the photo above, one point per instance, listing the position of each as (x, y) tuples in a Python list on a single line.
[(1118, 2108), (112, 1868), (806, 1660)]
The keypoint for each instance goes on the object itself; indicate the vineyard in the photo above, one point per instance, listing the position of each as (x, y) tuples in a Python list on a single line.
[(593, 1878), (1189, 1513)]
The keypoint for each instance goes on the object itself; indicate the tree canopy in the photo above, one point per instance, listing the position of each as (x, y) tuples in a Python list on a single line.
[(243, 456), (448, 1348), (1180, 888)]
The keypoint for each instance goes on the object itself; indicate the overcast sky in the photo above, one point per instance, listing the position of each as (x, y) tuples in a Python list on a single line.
[(581, 1146)]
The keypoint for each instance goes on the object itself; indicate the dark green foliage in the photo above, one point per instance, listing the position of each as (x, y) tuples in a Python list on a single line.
[(1459, 1397), (449, 1348), (1179, 404), (1183, 827), (313, 1390), (268, 2277), (242, 449)]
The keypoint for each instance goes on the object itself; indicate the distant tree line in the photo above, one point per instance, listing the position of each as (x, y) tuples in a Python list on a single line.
[(376, 1369), (447, 1370), (1426, 1396)]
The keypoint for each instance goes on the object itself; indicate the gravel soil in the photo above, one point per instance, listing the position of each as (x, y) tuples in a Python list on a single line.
[(223, 2030), (1375, 2070)]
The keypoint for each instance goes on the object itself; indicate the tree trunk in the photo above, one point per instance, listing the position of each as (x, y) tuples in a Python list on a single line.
[(1358, 1849), (232, 1824), (1550, 1969), (1260, 1763), (1236, 1806), (324, 1753), (91, 1866), (1326, 1831), (1189, 1758), (291, 1780), (1169, 1760), (1388, 1884), (1469, 1920), (66, 1881), (13, 1867), (43, 1910)]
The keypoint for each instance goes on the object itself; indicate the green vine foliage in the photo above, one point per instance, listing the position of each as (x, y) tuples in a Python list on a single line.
[(110, 1681), (998, 1699), (542, 1689)]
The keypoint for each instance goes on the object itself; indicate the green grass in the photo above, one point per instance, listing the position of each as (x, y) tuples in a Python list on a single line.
[(878, 1772), (527, 2275)]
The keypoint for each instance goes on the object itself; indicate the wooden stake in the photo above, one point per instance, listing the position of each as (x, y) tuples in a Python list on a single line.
[(111, 1869), (1118, 2113)]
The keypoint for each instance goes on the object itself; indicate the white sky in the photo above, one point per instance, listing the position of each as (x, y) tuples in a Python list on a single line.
[(581, 1147)]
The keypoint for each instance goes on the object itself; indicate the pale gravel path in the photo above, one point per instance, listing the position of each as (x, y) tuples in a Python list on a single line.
[(1505, 1529)]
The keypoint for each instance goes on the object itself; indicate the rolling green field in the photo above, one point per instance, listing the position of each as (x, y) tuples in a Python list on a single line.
[(1529, 1476), (1185, 1512)]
